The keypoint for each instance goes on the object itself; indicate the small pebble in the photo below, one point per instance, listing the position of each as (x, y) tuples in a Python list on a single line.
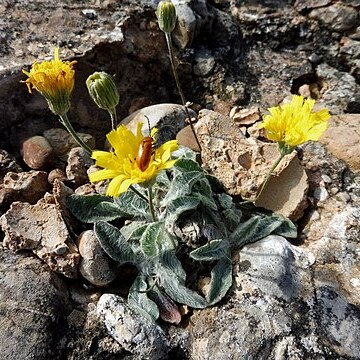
[(343, 196), (326, 179), (37, 153), (321, 194), (56, 174)]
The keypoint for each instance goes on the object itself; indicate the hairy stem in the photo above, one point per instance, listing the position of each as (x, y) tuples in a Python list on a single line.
[(178, 84), (138, 193), (65, 121), (151, 204), (113, 119)]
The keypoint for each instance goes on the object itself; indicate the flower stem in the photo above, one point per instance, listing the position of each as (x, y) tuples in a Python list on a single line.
[(65, 121), (268, 176), (113, 119), (151, 204), (178, 84), (138, 193)]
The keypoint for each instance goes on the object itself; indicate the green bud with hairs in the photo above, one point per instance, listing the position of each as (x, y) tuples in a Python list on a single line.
[(166, 15)]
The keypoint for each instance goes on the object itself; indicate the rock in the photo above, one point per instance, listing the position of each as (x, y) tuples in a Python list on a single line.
[(34, 302), (77, 165), (342, 138), (37, 153), (7, 197), (62, 142), (341, 91), (138, 103), (276, 311), (337, 17), (186, 137), (8, 164), (204, 63), (168, 118), (95, 265), (41, 229), (247, 116), (136, 334), (31, 185), (321, 194), (56, 174), (286, 193)]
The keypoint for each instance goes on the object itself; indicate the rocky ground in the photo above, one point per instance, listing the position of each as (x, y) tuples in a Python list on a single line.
[(295, 300)]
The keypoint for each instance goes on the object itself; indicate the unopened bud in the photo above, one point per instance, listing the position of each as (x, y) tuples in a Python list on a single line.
[(166, 15), (103, 91)]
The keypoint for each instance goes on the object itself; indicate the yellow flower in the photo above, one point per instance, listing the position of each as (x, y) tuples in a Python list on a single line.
[(121, 166), (293, 124), (54, 80)]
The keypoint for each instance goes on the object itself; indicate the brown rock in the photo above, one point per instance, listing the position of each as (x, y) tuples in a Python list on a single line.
[(40, 228), (56, 174), (95, 265), (286, 193), (247, 116), (37, 153), (77, 165), (7, 196), (138, 103), (31, 185), (186, 137), (342, 138)]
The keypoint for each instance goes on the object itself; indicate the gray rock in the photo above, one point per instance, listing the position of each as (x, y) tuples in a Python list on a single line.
[(168, 118), (41, 229), (33, 305), (77, 165), (37, 153), (95, 265), (8, 164), (204, 63), (31, 185), (275, 311), (341, 91), (135, 334)]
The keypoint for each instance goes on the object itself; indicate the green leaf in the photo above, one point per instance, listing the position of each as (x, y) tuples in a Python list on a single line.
[(221, 281), (91, 208), (169, 261), (203, 192), (149, 239), (139, 300), (232, 218), (254, 229), (188, 165), (176, 289), (185, 153), (213, 250), (113, 242), (177, 207), (132, 204), (225, 200), (287, 228)]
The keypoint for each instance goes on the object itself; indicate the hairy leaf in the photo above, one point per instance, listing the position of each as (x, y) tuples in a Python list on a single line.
[(132, 204), (169, 261), (138, 299), (149, 239), (178, 206), (113, 242), (91, 208), (188, 165), (213, 250), (221, 281), (287, 228)]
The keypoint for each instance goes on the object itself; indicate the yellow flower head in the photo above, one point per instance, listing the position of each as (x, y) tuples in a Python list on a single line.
[(293, 124), (54, 80), (121, 165)]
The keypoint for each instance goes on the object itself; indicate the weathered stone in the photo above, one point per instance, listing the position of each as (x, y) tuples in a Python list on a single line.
[(7, 197), (77, 165), (8, 164), (276, 311), (247, 116), (342, 138), (40, 228), (37, 153), (168, 118), (133, 332), (34, 302), (31, 185), (62, 142), (95, 265), (204, 63), (338, 16), (56, 174)]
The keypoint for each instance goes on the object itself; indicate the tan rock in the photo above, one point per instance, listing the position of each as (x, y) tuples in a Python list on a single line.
[(342, 138), (41, 229), (186, 137)]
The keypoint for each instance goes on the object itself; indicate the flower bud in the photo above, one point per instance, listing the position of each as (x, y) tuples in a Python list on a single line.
[(166, 15), (103, 91)]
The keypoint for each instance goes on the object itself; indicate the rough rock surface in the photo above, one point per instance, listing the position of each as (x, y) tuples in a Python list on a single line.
[(95, 265), (41, 228), (77, 164), (33, 307), (135, 333), (8, 164), (277, 309)]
